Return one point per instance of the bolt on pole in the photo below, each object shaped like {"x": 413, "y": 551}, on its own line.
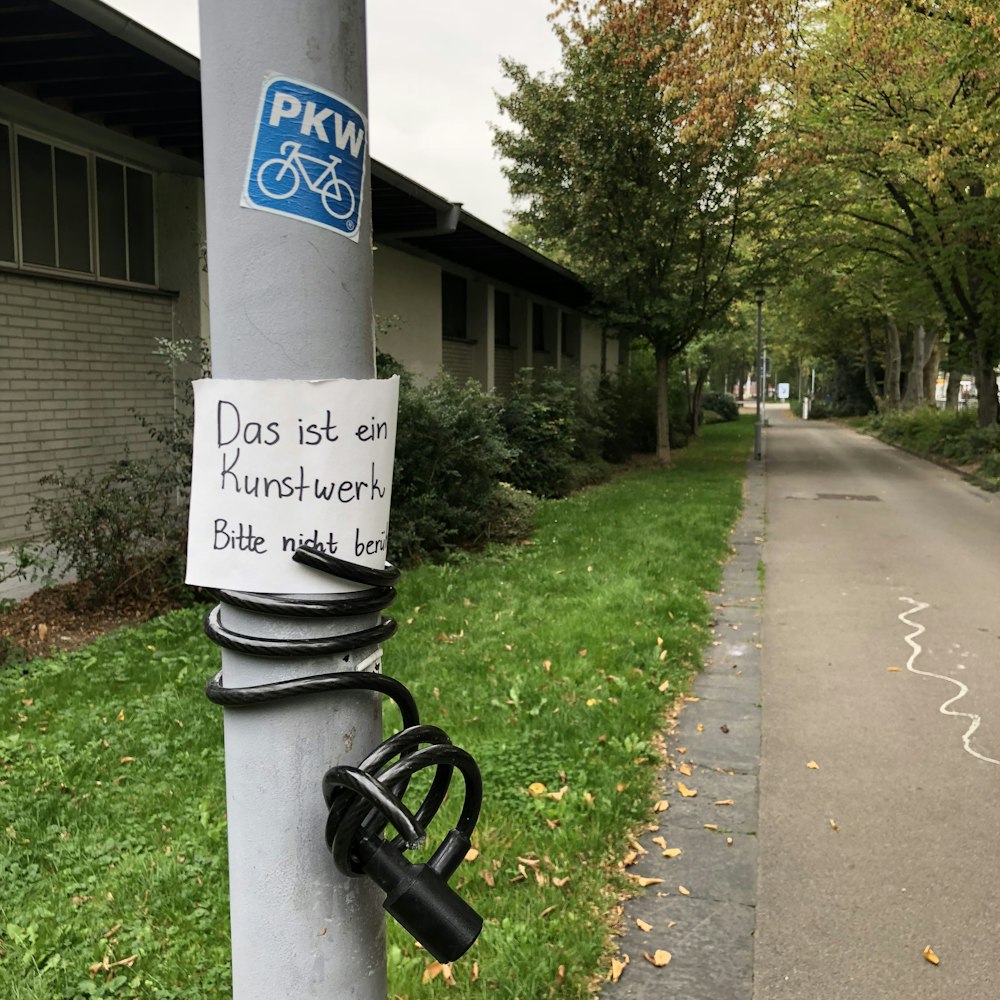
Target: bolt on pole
{"x": 288, "y": 300}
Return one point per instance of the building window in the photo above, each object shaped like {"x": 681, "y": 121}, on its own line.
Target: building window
{"x": 52, "y": 184}
{"x": 454, "y": 307}
{"x": 6, "y": 198}
{"x": 538, "y": 328}
{"x": 75, "y": 211}
{"x": 501, "y": 318}
{"x": 125, "y": 223}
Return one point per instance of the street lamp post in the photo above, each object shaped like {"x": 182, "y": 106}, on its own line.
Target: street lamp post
{"x": 758, "y": 450}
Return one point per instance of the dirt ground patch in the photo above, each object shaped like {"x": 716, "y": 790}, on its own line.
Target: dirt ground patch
{"x": 64, "y": 618}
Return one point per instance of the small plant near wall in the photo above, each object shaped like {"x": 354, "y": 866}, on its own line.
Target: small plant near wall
{"x": 123, "y": 529}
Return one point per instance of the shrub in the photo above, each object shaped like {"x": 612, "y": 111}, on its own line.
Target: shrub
{"x": 720, "y": 403}
{"x": 539, "y": 418}
{"x": 510, "y": 515}
{"x": 450, "y": 456}
{"x": 628, "y": 404}
{"x": 123, "y": 529}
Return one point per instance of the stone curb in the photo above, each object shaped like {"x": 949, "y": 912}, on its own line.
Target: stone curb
{"x": 703, "y": 911}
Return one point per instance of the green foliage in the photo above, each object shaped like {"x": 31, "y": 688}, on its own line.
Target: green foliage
{"x": 953, "y": 436}
{"x": 949, "y": 434}
{"x": 721, "y": 403}
{"x": 539, "y": 418}
{"x": 628, "y": 401}
{"x": 450, "y": 458}
{"x": 122, "y": 529}
{"x": 510, "y": 515}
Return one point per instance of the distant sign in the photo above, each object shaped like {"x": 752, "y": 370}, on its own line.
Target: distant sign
{"x": 783, "y": 390}
{"x": 308, "y": 156}
{"x": 283, "y": 463}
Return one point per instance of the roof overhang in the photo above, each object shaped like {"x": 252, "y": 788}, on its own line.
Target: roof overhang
{"x": 96, "y": 72}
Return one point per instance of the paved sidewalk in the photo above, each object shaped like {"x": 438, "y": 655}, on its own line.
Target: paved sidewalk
{"x": 703, "y": 912}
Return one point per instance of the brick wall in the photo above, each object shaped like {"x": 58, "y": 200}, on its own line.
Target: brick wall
{"x": 73, "y": 359}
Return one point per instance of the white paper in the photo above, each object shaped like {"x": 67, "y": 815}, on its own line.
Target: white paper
{"x": 282, "y": 463}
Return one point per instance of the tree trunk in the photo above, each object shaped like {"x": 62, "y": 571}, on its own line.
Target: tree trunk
{"x": 662, "y": 406}
{"x": 694, "y": 399}
{"x": 871, "y": 383}
{"x": 893, "y": 364}
{"x": 954, "y": 389}
{"x": 986, "y": 385}
{"x": 931, "y": 369}
{"x": 923, "y": 348}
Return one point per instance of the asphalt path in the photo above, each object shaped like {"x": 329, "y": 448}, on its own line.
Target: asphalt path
{"x": 879, "y": 774}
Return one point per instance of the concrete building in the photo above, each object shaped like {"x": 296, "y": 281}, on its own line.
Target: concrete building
{"x": 102, "y": 253}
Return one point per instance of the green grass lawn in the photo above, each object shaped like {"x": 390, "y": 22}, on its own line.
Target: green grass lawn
{"x": 554, "y": 662}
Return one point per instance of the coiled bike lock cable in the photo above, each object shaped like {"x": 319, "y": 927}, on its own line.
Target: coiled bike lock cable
{"x": 363, "y": 800}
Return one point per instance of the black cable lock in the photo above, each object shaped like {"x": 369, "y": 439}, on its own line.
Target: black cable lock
{"x": 363, "y": 800}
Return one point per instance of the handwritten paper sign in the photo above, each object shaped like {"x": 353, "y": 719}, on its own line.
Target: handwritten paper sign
{"x": 278, "y": 464}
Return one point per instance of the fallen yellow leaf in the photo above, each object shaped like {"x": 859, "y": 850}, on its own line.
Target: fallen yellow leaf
{"x": 471, "y": 854}
{"x": 893, "y": 670}
{"x": 684, "y": 890}
{"x": 711, "y": 826}
{"x": 688, "y": 793}
{"x": 700, "y": 728}
{"x": 724, "y": 802}
{"x": 672, "y": 852}
{"x": 931, "y": 956}
{"x": 618, "y": 967}
{"x": 685, "y": 769}
{"x": 536, "y": 788}
{"x": 644, "y": 882}
{"x": 643, "y": 926}
{"x": 812, "y": 765}
{"x": 660, "y": 842}
{"x": 833, "y": 825}
{"x": 664, "y": 686}
{"x": 659, "y": 958}
{"x": 662, "y": 806}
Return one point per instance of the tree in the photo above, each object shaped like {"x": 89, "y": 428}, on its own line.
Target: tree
{"x": 650, "y": 219}
{"x": 897, "y": 103}
{"x": 888, "y": 105}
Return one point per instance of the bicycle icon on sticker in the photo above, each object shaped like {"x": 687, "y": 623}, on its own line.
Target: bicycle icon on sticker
{"x": 308, "y": 157}
{"x": 279, "y": 178}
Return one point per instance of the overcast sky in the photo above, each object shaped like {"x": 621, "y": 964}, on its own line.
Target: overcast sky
{"x": 433, "y": 70}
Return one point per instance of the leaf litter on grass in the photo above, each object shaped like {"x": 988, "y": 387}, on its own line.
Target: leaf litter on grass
{"x": 512, "y": 687}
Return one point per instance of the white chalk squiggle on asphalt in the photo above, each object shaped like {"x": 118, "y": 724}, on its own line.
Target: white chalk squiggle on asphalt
{"x": 963, "y": 690}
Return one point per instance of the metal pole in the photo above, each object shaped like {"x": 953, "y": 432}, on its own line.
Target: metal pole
{"x": 758, "y": 444}
{"x": 288, "y": 300}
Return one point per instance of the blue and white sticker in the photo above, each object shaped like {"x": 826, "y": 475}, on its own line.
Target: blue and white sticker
{"x": 308, "y": 156}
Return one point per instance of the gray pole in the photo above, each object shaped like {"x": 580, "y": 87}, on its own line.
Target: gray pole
{"x": 758, "y": 443}
{"x": 288, "y": 300}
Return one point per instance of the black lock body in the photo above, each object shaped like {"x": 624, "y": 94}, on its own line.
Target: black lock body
{"x": 422, "y": 902}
